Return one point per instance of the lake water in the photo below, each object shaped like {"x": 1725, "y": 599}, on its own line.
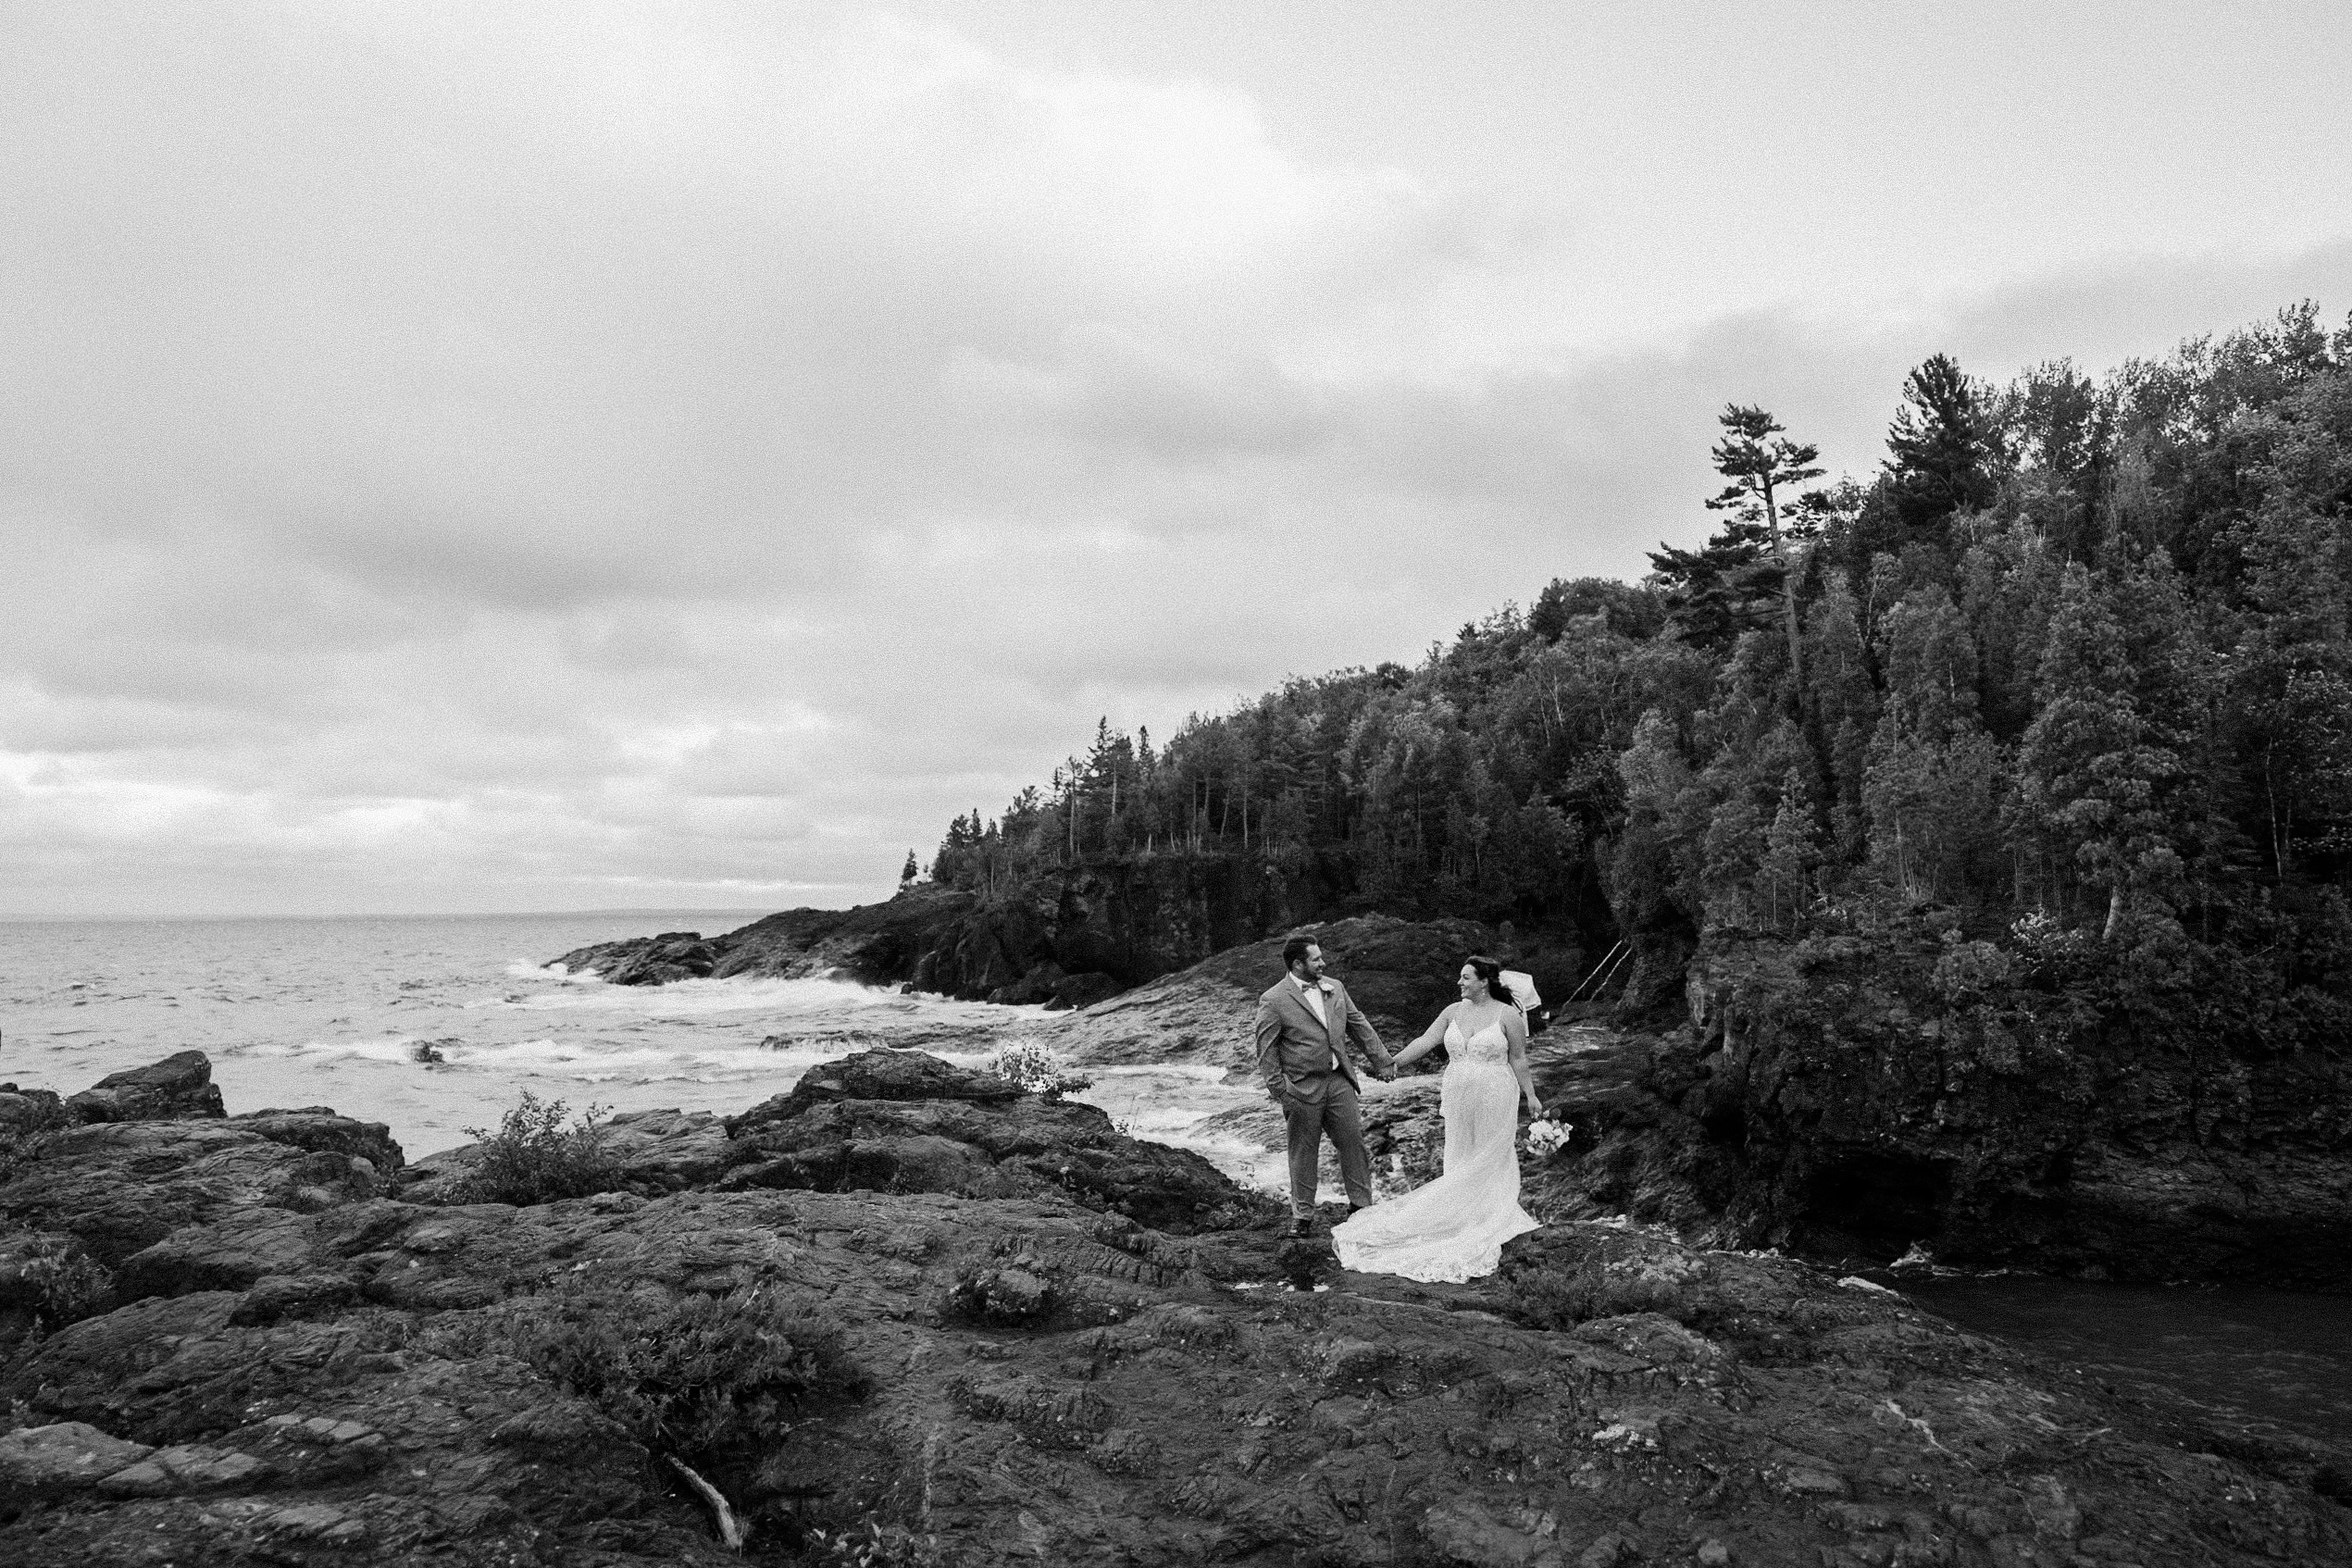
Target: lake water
{"x": 333, "y": 1012}
{"x": 2255, "y": 1355}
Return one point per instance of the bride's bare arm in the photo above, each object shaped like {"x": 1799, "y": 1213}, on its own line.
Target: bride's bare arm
{"x": 1515, "y": 1031}
{"x": 1427, "y": 1040}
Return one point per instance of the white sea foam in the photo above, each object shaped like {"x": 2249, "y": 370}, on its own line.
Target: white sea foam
{"x": 524, "y": 969}
{"x": 333, "y": 1012}
{"x": 785, "y": 998}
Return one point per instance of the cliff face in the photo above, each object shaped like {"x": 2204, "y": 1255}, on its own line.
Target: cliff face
{"x": 908, "y": 1314}
{"x": 1858, "y": 1098}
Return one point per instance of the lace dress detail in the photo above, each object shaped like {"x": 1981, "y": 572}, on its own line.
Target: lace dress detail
{"x": 1453, "y": 1228}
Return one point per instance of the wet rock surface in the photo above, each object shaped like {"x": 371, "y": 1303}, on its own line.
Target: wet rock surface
{"x": 1041, "y": 1376}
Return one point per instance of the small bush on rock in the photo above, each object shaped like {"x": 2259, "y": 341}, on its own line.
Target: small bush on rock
{"x": 535, "y": 1158}
{"x": 1600, "y": 1286}
{"x": 47, "y": 1281}
{"x": 27, "y": 1118}
{"x": 694, "y": 1375}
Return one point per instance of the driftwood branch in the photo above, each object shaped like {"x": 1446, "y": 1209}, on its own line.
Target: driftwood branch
{"x": 731, "y": 1530}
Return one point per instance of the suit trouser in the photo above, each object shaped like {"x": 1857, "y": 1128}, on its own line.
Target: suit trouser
{"x": 1327, "y": 1107}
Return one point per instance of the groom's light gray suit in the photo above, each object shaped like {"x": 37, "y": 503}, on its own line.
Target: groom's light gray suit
{"x": 1304, "y": 1064}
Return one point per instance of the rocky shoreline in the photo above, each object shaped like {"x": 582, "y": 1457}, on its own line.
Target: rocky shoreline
{"x": 1107, "y": 930}
{"x": 1855, "y": 1101}
{"x": 1007, "y": 1334}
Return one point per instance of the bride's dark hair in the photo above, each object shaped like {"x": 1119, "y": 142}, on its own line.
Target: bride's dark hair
{"x": 1491, "y": 971}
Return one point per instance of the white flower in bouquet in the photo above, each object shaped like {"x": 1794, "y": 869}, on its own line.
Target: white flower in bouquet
{"x": 1037, "y": 1069}
{"x": 1547, "y": 1139}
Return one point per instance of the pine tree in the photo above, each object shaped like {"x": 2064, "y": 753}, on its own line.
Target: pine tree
{"x": 1761, "y": 464}
{"x": 1792, "y": 850}
{"x": 909, "y": 872}
{"x": 1943, "y": 448}
{"x": 2091, "y": 766}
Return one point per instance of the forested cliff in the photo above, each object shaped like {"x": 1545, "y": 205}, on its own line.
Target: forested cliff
{"x": 1980, "y": 832}
{"x": 2072, "y": 667}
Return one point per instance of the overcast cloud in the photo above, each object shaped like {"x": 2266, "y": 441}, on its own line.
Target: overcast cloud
{"x": 483, "y": 458}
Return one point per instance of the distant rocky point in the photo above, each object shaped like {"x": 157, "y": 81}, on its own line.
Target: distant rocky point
{"x": 948, "y": 942}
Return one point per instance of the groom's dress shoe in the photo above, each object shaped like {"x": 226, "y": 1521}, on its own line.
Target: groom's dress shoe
{"x": 1301, "y": 1225}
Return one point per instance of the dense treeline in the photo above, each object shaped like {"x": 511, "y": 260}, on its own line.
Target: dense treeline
{"x": 2075, "y": 662}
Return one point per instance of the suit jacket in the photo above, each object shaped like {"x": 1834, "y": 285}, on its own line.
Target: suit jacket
{"x": 1295, "y": 1049}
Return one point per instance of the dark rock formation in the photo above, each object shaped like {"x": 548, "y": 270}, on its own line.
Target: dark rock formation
{"x": 656, "y": 961}
{"x": 1854, "y": 1099}
{"x": 874, "y": 944}
{"x": 1072, "y": 941}
{"x": 177, "y": 1086}
{"x": 1040, "y": 1377}
{"x": 117, "y": 1187}
{"x": 1083, "y": 990}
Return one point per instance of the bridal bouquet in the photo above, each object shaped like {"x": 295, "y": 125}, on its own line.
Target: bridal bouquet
{"x": 1547, "y": 1139}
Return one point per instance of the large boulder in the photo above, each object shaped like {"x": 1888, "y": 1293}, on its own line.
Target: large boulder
{"x": 321, "y": 1131}
{"x": 179, "y": 1085}
{"x": 647, "y": 960}
{"x": 899, "y": 1121}
{"x": 877, "y": 1074}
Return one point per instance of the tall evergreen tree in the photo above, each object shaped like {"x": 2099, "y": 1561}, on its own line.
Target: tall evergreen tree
{"x": 2092, "y": 766}
{"x": 1763, "y": 465}
{"x": 1943, "y": 448}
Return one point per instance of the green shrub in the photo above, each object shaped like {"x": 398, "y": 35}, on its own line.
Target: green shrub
{"x": 535, "y": 1158}
{"x": 692, "y": 1375}
{"x": 1598, "y": 1283}
{"x": 52, "y": 1278}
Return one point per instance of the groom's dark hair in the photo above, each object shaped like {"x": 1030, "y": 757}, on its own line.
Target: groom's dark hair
{"x": 1295, "y": 951}
{"x": 1491, "y": 971}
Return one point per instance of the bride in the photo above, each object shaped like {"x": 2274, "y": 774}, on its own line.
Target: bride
{"x": 1453, "y": 1228}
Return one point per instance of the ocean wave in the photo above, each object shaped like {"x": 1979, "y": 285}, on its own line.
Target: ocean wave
{"x": 524, "y": 969}
{"x": 743, "y": 993}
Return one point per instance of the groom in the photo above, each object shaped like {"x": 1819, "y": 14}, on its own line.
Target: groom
{"x": 1303, "y": 1021}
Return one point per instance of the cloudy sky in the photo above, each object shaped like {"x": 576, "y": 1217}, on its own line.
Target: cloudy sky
{"x": 492, "y": 457}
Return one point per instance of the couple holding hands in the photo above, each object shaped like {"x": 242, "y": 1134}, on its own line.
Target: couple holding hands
{"x": 1451, "y": 1228}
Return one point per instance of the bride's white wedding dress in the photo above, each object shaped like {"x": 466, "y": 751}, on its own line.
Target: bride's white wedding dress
{"x": 1453, "y": 1228}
